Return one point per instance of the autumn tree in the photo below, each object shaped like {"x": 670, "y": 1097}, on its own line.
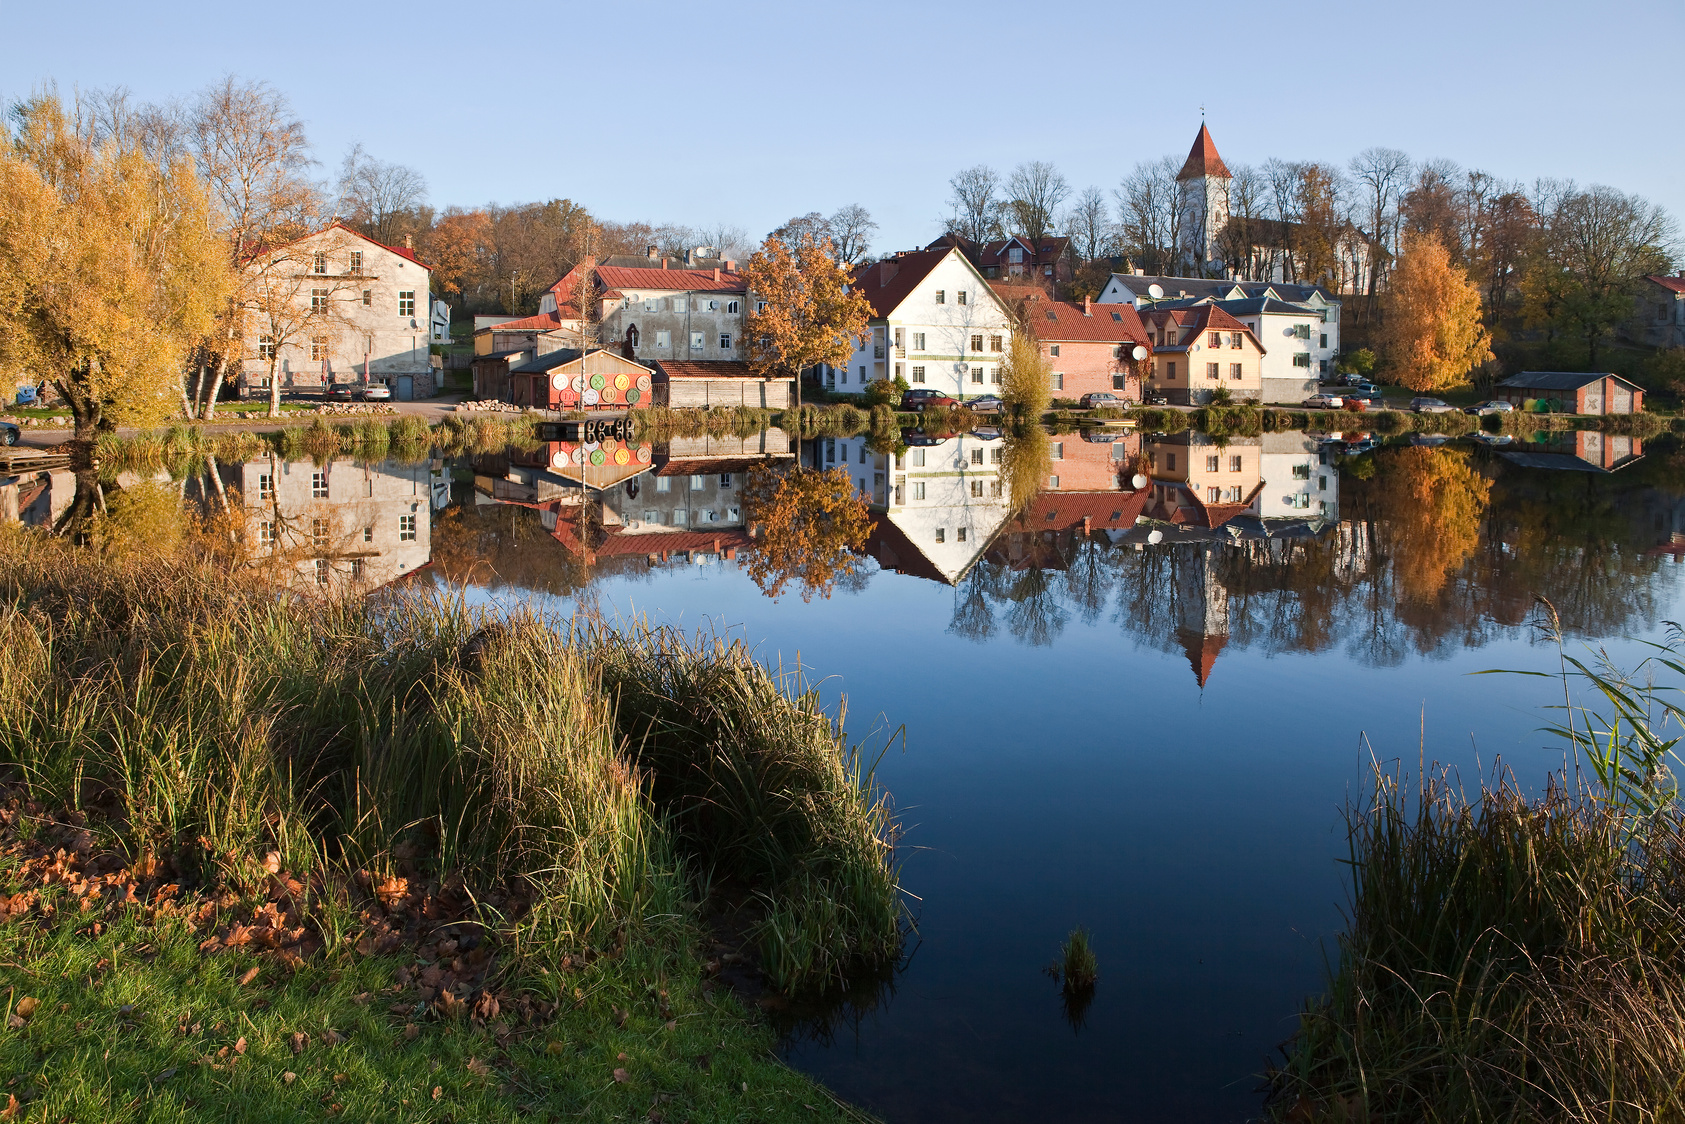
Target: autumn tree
{"x": 1433, "y": 334}
{"x": 808, "y": 525}
{"x": 110, "y": 270}
{"x": 1434, "y": 501}
{"x": 804, "y": 312}
{"x": 1026, "y": 375}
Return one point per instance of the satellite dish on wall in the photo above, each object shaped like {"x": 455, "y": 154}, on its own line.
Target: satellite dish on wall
{"x": 1156, "y": 292}
{"x": 1155, "y": 537}
{"x": 1138, "y": 481}
{"x": 1139, "y": 353}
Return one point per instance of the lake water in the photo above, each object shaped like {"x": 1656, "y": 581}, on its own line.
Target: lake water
{"x": 1137, "y": 705}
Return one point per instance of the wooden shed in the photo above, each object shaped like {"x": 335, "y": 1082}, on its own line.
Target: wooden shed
{"x": 571, "y": 380}
{"x": 1571, "y": 392}
{"x": 719, "y": 382}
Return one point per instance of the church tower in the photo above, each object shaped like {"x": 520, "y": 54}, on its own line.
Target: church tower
{"x": 1204, "y": 181}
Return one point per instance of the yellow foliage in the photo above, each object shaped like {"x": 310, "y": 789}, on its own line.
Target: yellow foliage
{"x": 1435, "y": 502}
{"x": 808, "y": 526}
{"x": 1433, "y": 334}
{"x": 810, "y": 316}
{"x": 1026, "y": 377}
{"x": 111, "y": 270}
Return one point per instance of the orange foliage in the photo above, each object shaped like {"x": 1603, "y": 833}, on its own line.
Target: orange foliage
{"x": 1435, "y": 502}
{"x": 808, "y": 525}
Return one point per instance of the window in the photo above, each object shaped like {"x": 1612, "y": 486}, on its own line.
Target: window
{"x": 1052, "y": 481}
{"x": 830, "y": 449}
{"x": 862, "y": 454}
{"x": 1216, "y": 339}
{"x": 1301, "y": 331}
{"x": 977, "y": 456}
{"x": 1015, "y": 255}
{"x": 406, "y": 528}
{"x": 995, "y": 489}
{"x": 1234, "y": 463}
{"x": 1056, "y": 450}
{"x": 321, "y": 571}
{"x": 977, "y": 489}
{"x": 1323, "y": 341}
{"x": 1302, "y": 359}
{"x": 1301, "y": 472}
{"x": 1120, "y": 451}
{"x": 760, "y": 306}
{"x": 319, "y": 262}
{"x": 663, "y": 483}
{"x": 406, "y": 302}
{"x": 1170, "y": 370}
{"x": 918, "y": 374}
{"x": 697, "y": 481}
{"x": 368, "y": 298}
{"x": 977, "y": 375}
{"x": 733, "y": 307}
{"x": 696, "y": 341}
{"x": 318, "y": 300}
{"x": 976, "y": 341}
{"x": 1211, "y": 370}
{"x": 994, "y": 375}
{"x": 1322, "y": 483}
{"x": 356, "y": 261}
{"x": 996, "y": 456}
{"x": 318, "y": 348}
{"x": 319, "y": 532}
{"x": 1170, "y": 462}
{"x": 725, "y": 341}
{"x": 651, "y": 304}
{"x": 996, "y": 343}
{"x": 1117, "y": 382}
{"x": 652, "y": 516}
{"x": 941, "y": 534}
{"x": 1211, "y": 463}
{"x": 681, "y": 304}
{"x": 941, "y": 297}
{"x": 663, "y": 338}
{"x": 266, "y": 347}
{"x": 318, "y": 485}
{"x": 1234, "y": 370}
{"x": 900, "y": 339}
{"x": 1234, "y": 339}
{"x": 1301, "y": 500}
{"x": 725, "y": 480}
{"x": 1211, "y": 494}
{"x": 959, "y": 533}
{"x": 265, "y": 486}
{"x": 899, "y": 370}
{"x": 357, "y": 569}
{"x": 916, "y": 457}
{"x": 679, "y": 517}
{"x": 266, "y": 533}
{"x": 1231, "y": 495}
{"x": 368, "y": 533}
{"x": 918, "y": 489}
{"x": 1058, "y": 380}
{"x": 961, "y": 296}
{"x": 1053, "y": 351}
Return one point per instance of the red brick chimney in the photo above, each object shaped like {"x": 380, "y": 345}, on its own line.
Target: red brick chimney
{"x": 716, "y": 273}
{"x": 1088, "y": 306}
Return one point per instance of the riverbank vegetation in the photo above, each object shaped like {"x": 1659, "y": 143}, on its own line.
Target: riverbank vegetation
{"x": 267, "y": 856}
{"x": 1512, "y": 956}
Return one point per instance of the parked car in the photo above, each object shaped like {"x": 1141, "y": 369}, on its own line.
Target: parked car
{"x": 1493, "y": 438}
{"x": 1158, "y": 398}
{"x": 1099, "y": 399}
{"x": 987, "y": 432}
{"x": 1481, "y": 409}
{"x": 1431, "y": 406}
{"x": 1324, "y": 402}
{"x": 377, "y": 392}
{"x": 340, "y": 392}
{"x": 9, "y": 433}
{"x": 920, "y": 397}
{"x": 985, "y": 404}
{"x": 1367, "y": 392}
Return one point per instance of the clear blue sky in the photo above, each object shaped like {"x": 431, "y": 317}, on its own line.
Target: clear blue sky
{"x": 750, "y": 112}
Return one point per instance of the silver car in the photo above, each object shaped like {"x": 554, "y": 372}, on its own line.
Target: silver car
{"x": 1431, "y": 406}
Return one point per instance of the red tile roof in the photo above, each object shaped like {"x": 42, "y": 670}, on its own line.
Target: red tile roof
{"x": 1105, "y": 511}
{"x": 659, "y": 542}
{"x": 995, "y": 253}
{"x": 542, "y": 321}
{"x": 1203, "y": 159}
{"x": 1676, "y": 284}
{"x": 1195, "y": 319}
{"x": 259, "y": 250}
{"x": 705, "y": 466}
{"x": 693, "y": 280}
{"x": 1202, "y": 652}
{"x": 705, "y": 369}
{"x": 887, "y": 283}
{"x": 893, "y": 550}
{"x": 1053, "y": 321}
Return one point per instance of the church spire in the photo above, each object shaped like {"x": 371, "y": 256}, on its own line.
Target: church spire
{"x": 1203, "y": 159}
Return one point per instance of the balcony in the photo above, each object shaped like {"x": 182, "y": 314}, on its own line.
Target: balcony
{"x": 877, "y": 351}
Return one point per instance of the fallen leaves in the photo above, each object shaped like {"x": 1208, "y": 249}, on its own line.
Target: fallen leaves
{"x": 298, "y": 1042}
{"x": 248, "y": 976}
{"x": 621, "y": 1076}
{"x": 22, "y": 1012}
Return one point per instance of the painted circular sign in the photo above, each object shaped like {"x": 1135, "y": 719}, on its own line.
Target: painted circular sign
{"x": 590, "y": 398}
{"x": 632, "y": 396}
{"x": 621, "y": 382}
{"x": 622, "y": 456}
{"x": 598, "y": 457}
{"x": 558, "y": 382}
{"x": 610, "y": 394}
{"x": 598, "y": 382}
{"x": 579, "y": 382}
{"x": 569, "y": 397}
{"x": 578, "y": 456}
{"x": 559, "y": 458}
{"x": 643, "y": 382}
{"x": 644, "y": 454}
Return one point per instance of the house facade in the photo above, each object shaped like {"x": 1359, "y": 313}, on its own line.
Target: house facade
{"x": 571, "y": 379}
{"x": 1571, "y": 392}
{"x": 1045, "y": 262}
{"x": 1199, "y": 349}
{"x": 1088, "y": 347}
{"x": 703, "y": 384}
{"x": 935, "y": 323}
{"x": 337, "y": 307}
{"x": 1659, "y": 312}
{"x": 653, "y": 314}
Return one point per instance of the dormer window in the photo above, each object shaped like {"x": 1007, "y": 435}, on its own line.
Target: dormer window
{"x": 1015, "y": 255}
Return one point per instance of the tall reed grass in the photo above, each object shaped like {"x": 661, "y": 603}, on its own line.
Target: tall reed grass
{"x": 565, "y": 781}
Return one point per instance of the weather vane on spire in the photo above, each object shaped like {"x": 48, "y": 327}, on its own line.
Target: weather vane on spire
{"x": 1202, "y": 111}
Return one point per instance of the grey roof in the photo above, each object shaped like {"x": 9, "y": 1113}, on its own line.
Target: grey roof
{"x": 1557, "y": 462}
{"x": 1561, "y": 380}
{"x": 549, "y": 361}
{"x": 1244, "y": 306}
{"x": 1219, "y": 287}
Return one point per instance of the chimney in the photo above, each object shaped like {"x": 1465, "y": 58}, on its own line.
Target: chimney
{"x": 886, "y": 271}
{"x": 408, "y": 243}
{"x": 1088, "y": 306}
{"x": 663, "y": 263}
{"x": 728, "y": 265}
{"x": 716, "y": 273}
{"x": 651, "y": 251}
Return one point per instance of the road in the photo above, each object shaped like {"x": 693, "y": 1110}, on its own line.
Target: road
{"x": 432, "y": 409}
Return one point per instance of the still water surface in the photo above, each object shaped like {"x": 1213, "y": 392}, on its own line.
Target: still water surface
{"x": 1138, "y": 705}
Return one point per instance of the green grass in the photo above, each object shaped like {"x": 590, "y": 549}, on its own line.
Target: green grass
{"x": 579, "y": 797}
{"x": 1079, "y": 968}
